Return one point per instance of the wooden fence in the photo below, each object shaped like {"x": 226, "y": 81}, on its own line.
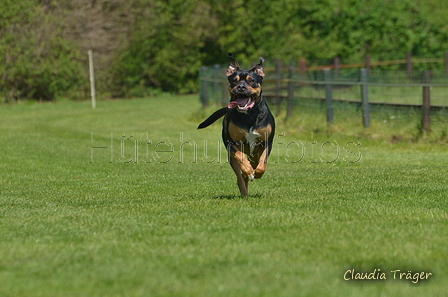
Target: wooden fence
{"x": 328, "y": 84}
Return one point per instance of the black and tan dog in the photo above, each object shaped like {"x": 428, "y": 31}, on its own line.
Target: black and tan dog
{"x": 248, "y": 126}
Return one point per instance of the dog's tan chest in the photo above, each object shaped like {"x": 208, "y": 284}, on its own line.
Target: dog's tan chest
{"x": 251, "y": 137}
{"x": 237, "y": 133}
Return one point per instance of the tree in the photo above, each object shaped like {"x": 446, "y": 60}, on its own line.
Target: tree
{"x": 164, "y": 49}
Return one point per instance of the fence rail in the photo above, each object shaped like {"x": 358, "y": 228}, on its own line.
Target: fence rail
{"x": 426, "y": 90}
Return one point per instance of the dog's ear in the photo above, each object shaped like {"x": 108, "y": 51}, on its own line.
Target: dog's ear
{"x": 233, "y": 65}
{"x": 258, "y": 68}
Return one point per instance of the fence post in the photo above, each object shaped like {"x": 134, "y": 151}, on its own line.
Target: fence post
{"x": 203, "y": 86}
{"x": 426, "y": 106}
{"x": 328, "y": 96}
{"x": 92, "y": 79}
{"x": 290, "y": 89}
{"x": 368, "y": 64}
{"x": 225, "y": 93}
{"x": 278, "y": 84}
{"x": 364, "y": 99}
{"x": 336, "y": 65}
{"x": 446, "y": 63}
{"x": 409, "y": 64}
{"x": 216, "y": 85}
{"x": 302, "y": 68}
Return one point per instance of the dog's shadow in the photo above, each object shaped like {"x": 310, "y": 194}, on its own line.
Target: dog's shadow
{"x": 237, "y": 197}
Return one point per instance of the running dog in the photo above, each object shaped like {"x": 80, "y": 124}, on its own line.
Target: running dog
{"x": 248, "y": 126}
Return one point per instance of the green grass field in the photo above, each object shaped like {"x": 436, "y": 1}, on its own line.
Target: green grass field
{"x": 125, "y": 200}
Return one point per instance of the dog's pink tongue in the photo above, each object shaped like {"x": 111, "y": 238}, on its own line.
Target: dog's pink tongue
{"x": 238, "y": 102}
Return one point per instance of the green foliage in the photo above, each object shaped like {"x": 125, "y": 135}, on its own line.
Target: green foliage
{"x": 38, "y": 62}
{"x": 146, "y": 47}
{"x": 321, "y": 30}
{"x": 315, "y": 30}
{"x": 164, "y": 49}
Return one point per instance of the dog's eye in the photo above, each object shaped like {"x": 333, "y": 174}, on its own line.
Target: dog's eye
{"x": 251, "y": 80}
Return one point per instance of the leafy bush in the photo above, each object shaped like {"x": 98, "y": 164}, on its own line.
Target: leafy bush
{"x": 39, "y": 63}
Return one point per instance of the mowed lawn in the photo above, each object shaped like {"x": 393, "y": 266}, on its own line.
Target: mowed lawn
{"x": 131, "y": 200}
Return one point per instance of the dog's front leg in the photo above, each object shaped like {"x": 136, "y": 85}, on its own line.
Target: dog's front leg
{"x": 244, "y": 164}
{"x": 261, "y": 166}
{"x": 242, "y": 168}
{"x": 242, "y": 180}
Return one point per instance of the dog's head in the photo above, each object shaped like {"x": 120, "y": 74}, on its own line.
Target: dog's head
{"x": 244, "y": 85}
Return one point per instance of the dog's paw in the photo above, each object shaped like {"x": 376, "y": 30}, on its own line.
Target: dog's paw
{"x": 258, "y": 173}
{"x": 250, "y": 175}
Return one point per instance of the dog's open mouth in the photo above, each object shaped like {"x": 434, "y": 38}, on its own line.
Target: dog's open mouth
{"x": 242, "y": 103}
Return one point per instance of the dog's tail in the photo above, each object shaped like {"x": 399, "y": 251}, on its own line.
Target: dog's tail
{"x": 215, "y": 116}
